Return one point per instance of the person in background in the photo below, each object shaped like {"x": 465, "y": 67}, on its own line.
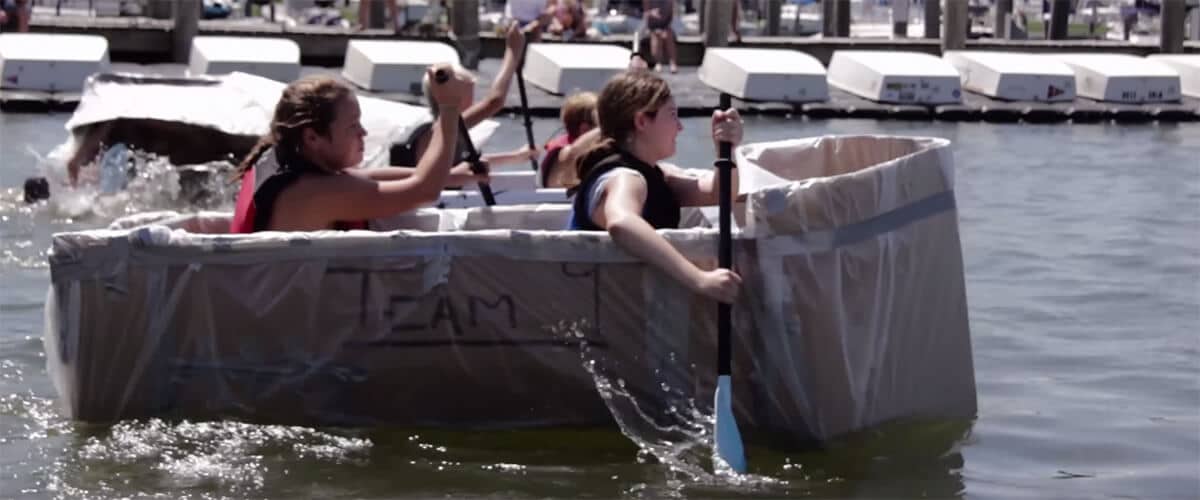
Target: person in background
{"x": 626, "y": 192}
{"x": 408, "y": 151}
{"x": 659, "y": 14}
{"x": 578, "y": 117}
{"x": 14, "y": 15}
{"x": 557, "y": 168}
{"x": 569, "y": 21}
{"x": 364, "y": 13}
{"x": 533, "y": 16}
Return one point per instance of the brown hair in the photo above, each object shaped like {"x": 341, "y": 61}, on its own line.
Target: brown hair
{"x": 577, "y": 111}
{"x": 623, "y": 97}
{"x": 309, "y": 102}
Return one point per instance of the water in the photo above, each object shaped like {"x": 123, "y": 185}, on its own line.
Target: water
{"x": 1082, "y": 247}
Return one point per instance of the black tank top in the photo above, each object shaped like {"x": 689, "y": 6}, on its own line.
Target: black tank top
{"x": 661, "y": 209}
{"x": 404, "y": 154}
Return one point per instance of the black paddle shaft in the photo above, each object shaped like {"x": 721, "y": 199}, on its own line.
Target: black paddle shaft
{"x": 485, "y": 189}
{"x": 725, "y": 246}
{"x": 525, "y": 103}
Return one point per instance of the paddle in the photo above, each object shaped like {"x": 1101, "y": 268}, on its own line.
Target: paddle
{"x": 727, "y": 440}
{"x": 525, "y": 103}
{"x": 485, "y": 189}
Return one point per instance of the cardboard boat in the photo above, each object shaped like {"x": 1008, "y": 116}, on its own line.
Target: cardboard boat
{"x": 853, "y": 311}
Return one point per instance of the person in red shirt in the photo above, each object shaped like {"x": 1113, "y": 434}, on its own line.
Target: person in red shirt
{"x": 578, "y": 116}
{"x": 302, "y": 175}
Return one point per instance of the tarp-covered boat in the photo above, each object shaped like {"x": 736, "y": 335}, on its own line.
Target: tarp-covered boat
{"x": 853, "y": 312}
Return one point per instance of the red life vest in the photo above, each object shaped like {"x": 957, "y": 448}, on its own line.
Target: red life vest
{"x": 256, "y": 198}
{"x": 552, "y": 148}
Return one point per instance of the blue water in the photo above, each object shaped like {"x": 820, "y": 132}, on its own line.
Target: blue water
{"x": 1082, "y": 248}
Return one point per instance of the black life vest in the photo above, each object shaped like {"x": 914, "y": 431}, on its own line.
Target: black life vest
{"x": 661, "y": 209}
{"x": 404, "y": 153}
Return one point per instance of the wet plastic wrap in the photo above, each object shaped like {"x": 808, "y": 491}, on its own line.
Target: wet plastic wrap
{"x": 853, "y": 312}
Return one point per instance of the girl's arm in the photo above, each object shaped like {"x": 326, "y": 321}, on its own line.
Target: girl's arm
{"x": 459, "y": 175}
{"x": 523, "y": 154}
{"x": 695, "y": 191}
{"x": 356, "y": 197}
{"x": 494, "y": 101}
{"x": 619, "y": 211}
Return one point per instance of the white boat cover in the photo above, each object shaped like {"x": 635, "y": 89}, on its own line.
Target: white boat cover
{"x": 237, "y": 104}
{"x": 853, "y": 311}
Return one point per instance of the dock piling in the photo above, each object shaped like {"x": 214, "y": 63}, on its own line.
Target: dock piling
{"x": 464, "y": 25}
{"x": 954, "y": 33}
{"x": 842, "y": 15}
{"x": 933, "y": 19}
{"x": 1173, "y": 20}
{"x": 717, "y": 17}
{"x": 1060, "y": 10}
{"x": 900, "y": 18}
{"x": 1003, "y": 19}
{"x": 774, "y": 10}
{"x": 828, "y": 19}
{"x": 187, "y": 25}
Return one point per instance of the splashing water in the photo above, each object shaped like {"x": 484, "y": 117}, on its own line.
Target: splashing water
{"x": 679, "y": 436}
{"x": 149, "y": 183}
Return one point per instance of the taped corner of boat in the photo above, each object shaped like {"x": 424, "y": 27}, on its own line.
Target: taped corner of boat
{"x": 167, "y": 315}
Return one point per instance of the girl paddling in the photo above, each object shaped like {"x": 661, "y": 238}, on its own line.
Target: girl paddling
{"x": 624, "y": 191}
{"x": 301, "y": 176}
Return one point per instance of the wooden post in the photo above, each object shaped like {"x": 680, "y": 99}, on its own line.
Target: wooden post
{"x": 954, "y": 33}
{"x": 933, "y": 19}
{"x": 377, "y": 14}
{"x": 843, "y": 18}
{"x": 900, "y": 18}
{"x": 187, "y": 24}
{"x": 1060, "y": 10}
{"x": 1173, "y": 12}
{"x": 774, "y": 10}
{"x": 717, "y": 17}
{"x": 1003, "y": 19}
{"x": 464, "y": 24}
{"x": 828, "y": 19}
{"x": 1195, "y": 30}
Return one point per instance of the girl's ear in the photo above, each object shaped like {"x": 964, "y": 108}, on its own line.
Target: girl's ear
{"x": 640, "y": 120}
{"x": 309, "y": 136}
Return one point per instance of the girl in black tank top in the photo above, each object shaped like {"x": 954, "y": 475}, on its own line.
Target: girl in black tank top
{"x": 624, "y": 190}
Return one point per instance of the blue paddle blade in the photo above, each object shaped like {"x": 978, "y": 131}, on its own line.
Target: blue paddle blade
{"x": 726, "y": 437}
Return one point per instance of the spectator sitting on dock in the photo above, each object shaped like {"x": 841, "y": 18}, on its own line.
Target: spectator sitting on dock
{"x": 569, "y": 21}
{"x": 14, "y": 15}
{"x": 364, "y": 13}
{"x": 659, "y": 15}
{"x": 532, "y": 15}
